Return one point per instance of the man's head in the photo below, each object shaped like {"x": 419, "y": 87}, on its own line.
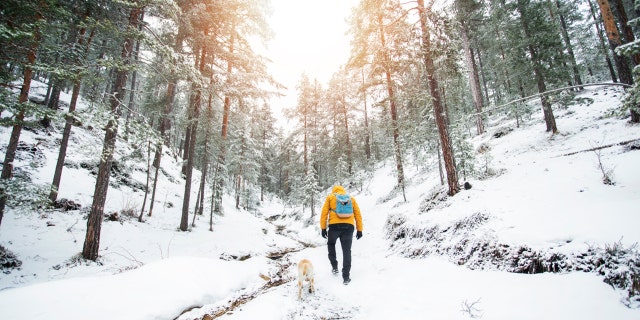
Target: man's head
{"x": 338, "y": 189}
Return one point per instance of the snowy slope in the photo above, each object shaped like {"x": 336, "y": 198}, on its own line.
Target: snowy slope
{"x": 151, "y": 271}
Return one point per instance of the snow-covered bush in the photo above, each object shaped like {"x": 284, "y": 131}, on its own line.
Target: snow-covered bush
{"x": 8, "y": 260}
{"x": 466, "y": 242}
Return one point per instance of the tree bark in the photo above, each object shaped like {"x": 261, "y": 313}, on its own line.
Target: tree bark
{"x": 219, "y": 184}
{"x": 146, "y": 187}
{"x": 549, "y": 118}
{"x": 438, "y": 108}
{"x": 627, "y": 31}
{"x": 205, "y": 168}
{"x": 602, "y": 45}
{"x": 624, "y": 72}
{"x": 628, "y": 37}
{"x": 92, "y": 240}
{"x": 367, "y": 144}
{"x": 190, "y": 151}
{"x": 484, "y": 78}
{"x": 348, "y": 140}
{"x": 186, "y": 147}
{"x": 474, "y": 79}
{"x": 62, "y": 154}
{"x": 195, "y": 211}
{"x": 305, "y": 140}
{"x": 240, "y": 175}
{"x": 567, "y": 42}
{"x": 132, "y": 94}
{"x": 392, "y": 107}
{"x": 23, "y": 99}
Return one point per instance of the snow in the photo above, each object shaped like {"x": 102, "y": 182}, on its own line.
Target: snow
{"x": 150, "y": 270}
{"x": 152, "y": 291}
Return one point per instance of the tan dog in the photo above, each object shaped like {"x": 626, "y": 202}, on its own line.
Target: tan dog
{"x": 305, "y": 272}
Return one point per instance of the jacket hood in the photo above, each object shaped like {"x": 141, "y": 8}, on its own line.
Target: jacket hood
{"x": 338, "y": 189}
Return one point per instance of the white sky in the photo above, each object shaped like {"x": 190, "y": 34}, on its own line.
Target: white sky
{"x": 310, "y": 37}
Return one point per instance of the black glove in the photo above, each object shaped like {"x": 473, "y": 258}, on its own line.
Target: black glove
{"x": 358, "y": 235}
{"x": 324, "y": 233}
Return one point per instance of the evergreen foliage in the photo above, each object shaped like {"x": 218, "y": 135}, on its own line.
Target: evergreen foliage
{"x": 194, "y": 63}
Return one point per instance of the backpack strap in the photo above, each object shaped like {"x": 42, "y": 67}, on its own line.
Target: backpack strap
{"x": 335, "y": 195}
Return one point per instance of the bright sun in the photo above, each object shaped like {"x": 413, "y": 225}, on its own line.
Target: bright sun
{"x": 310, "y": 37}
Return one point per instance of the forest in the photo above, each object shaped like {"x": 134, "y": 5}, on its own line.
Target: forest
{"x": 185, "y": 76}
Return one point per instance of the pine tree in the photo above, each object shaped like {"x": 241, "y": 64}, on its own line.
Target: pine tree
{"x": 438, "y": 108}
{"x": 467, "y": 15}
{"x": 92, "y": 240}
{"x": 310, "y": 190}
{"x": 378, "y": 29}
{"x": 615, "y": 40}
{"x": 536, "y": 42}
{"x": 631, "y": 99}
{"x": 23, "y": 21}
{"x": 79, "y": 60}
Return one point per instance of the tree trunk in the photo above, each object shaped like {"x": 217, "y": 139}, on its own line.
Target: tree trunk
{"x": 484, "y": 78}
{"x": 624, "y": 72}
{"x": 567, "y": 42}
{"x": 146, "y": 187}
{"x": 134, "y": 80}
{"x": 474, "y": 80}
{"x": 438, "y": 108}
{"x": 367, "y": 144}
{"x": 237, "y": 187}
{"x": 602, "y": 45}
{"x": 628, "y": 37}
{"x": 164, "y": 127}
{"x": 186, "y": 147}
{"x": 627, "y": 31}
{"x": 190, "y": 151}
{"x": 62, "y": 154}
{"x": 155, "y": 178}
{"x": 213, "y": 200}
{"x": 92, "y": 240}
{"x": 195, "y": 211}
{"x": 441, "y": 173}
{"x": 223, "y": 135}
{"x": 239, "y": 177}
{"x": 54, "y": 99}
{"x": 203, "y": 178}
{"x": 23, "y": 98}
{"x": 549, "y": 118}
{"x": 393, "y": 111}
{"x": 49, "y": 88}
{"x": 305, "y": 149}
{"x": 348, "y": 139}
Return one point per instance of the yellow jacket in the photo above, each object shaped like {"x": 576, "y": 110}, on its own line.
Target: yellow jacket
{"x": 329, "y": 214}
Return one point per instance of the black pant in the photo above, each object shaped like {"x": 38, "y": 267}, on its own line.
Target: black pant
{"x": 344, "y": 232}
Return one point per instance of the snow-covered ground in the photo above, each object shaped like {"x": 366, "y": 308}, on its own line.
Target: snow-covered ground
{"x": 542, "y": 200}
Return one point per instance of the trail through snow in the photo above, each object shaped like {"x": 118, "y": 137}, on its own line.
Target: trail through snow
{"x": 386, "y": 286}
{"x": 150, "y": 271}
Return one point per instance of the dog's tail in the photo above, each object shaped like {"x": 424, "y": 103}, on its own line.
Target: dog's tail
{"x": 306, "y": 266}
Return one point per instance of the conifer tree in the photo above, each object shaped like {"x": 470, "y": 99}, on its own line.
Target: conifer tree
{"x": 378, "y": 29}
{"x": 92, "y": 240}
{"x": 22, "y": 21}
{"x": 438, "y": 107}
{"x": 467, "y": 15}
{"x": 536, "y": 42}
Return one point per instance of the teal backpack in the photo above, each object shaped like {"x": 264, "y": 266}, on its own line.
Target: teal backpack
{"x": 344, "y": 206}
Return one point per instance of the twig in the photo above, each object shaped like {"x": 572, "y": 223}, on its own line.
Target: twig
{"x": 471, "y": 309}
{"x": 544, "y": 93}
{"x": 599, "y": 147}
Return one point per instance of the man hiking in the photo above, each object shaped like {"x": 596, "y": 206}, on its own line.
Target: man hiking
{"x": 342, "y": 214}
